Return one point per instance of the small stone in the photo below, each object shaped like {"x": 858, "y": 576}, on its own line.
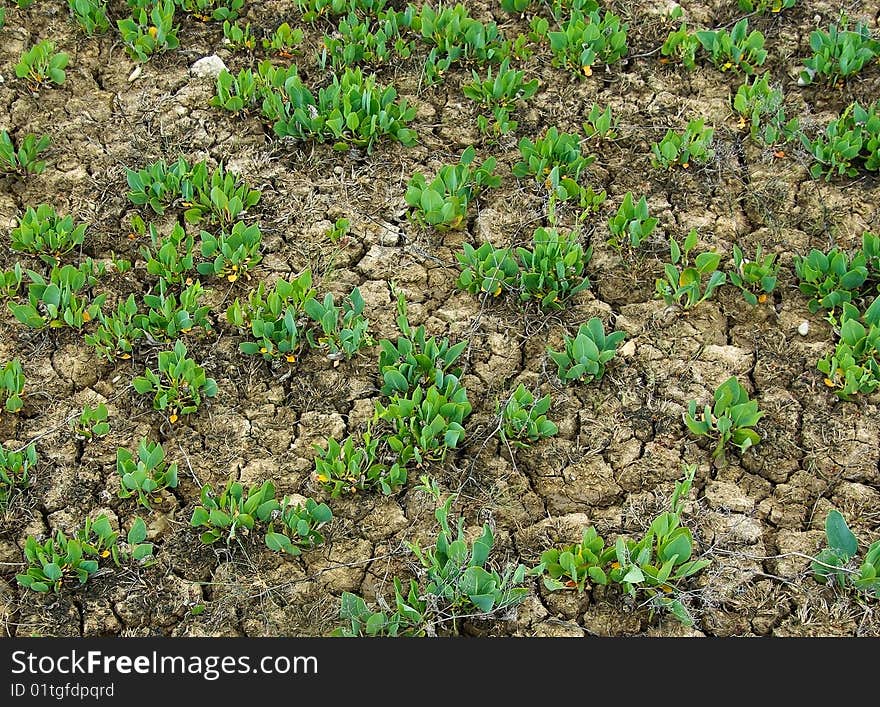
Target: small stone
{"x": 804, "y": 328}
{"x": 628, "y": 349}
{"x": 136, "y": 72}
{"x": 208, "y": 67}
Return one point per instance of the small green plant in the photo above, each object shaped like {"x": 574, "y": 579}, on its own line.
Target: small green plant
{"x": 487, "y": 269}
{"x": 760, "y": 107}
{"x": 415, "y": 359}
{"x": 456, "y": 577}
{"x": 91, "y": 15}
{"x": 499, "y": 93}
{"x": 366, "y": 41}
{"x": 632, "y": 224}
{"x": 849, "y": 141}
{"x": 600, "y": 124}
{"x": 283, "y": 41}
{"x": 854, "y": 367}
{"x": 691, "y": 146}
{"x": 340, "y": 230}
{"x": 116, "y": 333}
{"x": 237, "y": 93}
{"x": 10, "y": 281}
{"x": 830, "y": 279}
{"x": 681, "y": 45}
{"x": 443, "y": 202}
{"x": 524, "y": 418}
{"x": 168, "y": 315}
{"x": 683, "y": 282}
{"x": 585, "y": 40}
{"x": 56, "y": 301}
{"x": 839, "y": 52}
{"x": 59, "y": 560}
{"x": 220, "y": 197}
{"x": 298, "y": 526}
{"x": 553, "y": 156}
{"x": 756, "y": 278}
{"x": 12, "y": 382}
{"x": 406, "y": 620}
{"x": 159, "y": 184}
{"x": 234, "y": 512}
{"x": 148, "y": 33}
{"x": 652, "y": 565}
{"x": 426, "y": 423}
{"x": 22, "y": 160}
{"x": 91, "y": 424}
{"x": 171, "y": 257}
{"x": 344, "y": 330}
{"x": 43, "y": 232}
{"x": 352, "y": 111}
{"x": 832, "y": 565}
{"x": 178, "y": 385}
{"x": 271, "y": 316}
{"x": 42, "y": 64}
{"x": 729, "y": 420}
{"x": 219, "y": 10}
{"x": 738, "y": 48}
{"x": 585, "y": 356}
{"x": 238, "y": 37}
{"x": 15, "y": 470}
{"x": 232, "y": 254}
{"x": 553, "y": 270}
{"x": 759, "y": 7}
{"x": 146, "y": 475}
{"x": 357, "y": 465}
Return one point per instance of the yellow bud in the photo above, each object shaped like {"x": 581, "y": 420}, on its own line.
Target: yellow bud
{"x": 152, "y": 31}
{"x": 173, "y": 418}
{"x": 87, "y": 317}
{"x": 323, "y": 479}
{"x": 263, "y": 349}
{"x": 290, "y": 358}
{"x": 762, "y": 298}
{"x": 829, "y": 382}
{"x": 105, "y": 554}
{"x": 588, "y": 70}
{"x": 685, "y": 165}
{"x": 232, "y": 278}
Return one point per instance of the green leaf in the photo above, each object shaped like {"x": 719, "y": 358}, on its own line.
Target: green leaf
{"x": 840, "y": 537}
{"x": 138, "y": 532}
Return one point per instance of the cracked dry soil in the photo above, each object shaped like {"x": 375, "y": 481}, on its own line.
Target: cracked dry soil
{"x": 621, "y": 442}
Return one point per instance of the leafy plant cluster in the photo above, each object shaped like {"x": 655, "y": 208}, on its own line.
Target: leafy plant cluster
{"x": 498, "y": 94}
{"x": 587, "y": 40}
{"x": 839, "y": 52}
{"x": 45, "y": 233}
{"x": 653, "y": 566}
{"x": 443, "y": 202}
{"x": 289, "y": 525}
{"x": 694, "y": 145}
{"x": 834, "y": 564}
{"x": 60, "y": 561}
{"x": 22, "y": 158}
{"x": 62, "y": 298}
{"x": 761, "y": 110}
{"x": 368, "y": 41}
{"x": 735, "y": 49}
{"x": 847, "y": 143}
{"x": 687, "y": 281}
{"x": 12, "y": 382}
{"x": 550, "y": 272}
{"x": 455, "y": 581}
{"x": 15, "y": 471}
{"x": 728, "y": 421}
{"x": 41, "y": 65}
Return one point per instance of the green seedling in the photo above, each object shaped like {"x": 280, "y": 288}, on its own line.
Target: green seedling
{"x": 729, "y": 420}
{"x": 271, "y": 316}
{"x": 681, "y": 45}
{"x": 147, "y": 33}
{"x": 219, "y": 10}
{"x": 171, "y": 257}
{"x": 238, "y": 37}
{"x": 168, "y": 316}
{"x": 298, "y": 526}
{"x": 738, "y": 48}
{"x": 756, "y": 278}
{"x": 632, "y": 224}
{"x": 854, "y": 367}
{"x": 372, "y": 42}
{"x": 234, "y": 512}
{"x": 832, "y": 565}
{"x": 503, "y": 89}
{"x": 839, "y": 53}
{"x": 146, "y": 475}
{"x": 232, "y": 255}
{"x": 12, "y": 382}
{"x": 344, "y": 330}
{"x": 850, "y": 141}
{"x": 15, "y": 471}
{"x": 179, "y": 384}
{"x": 487, "y": 269}
{"x": 691, "y": 146}
{"x": 830, "y": 279}
{"x": 600, "y": 124}
{"x": 220, "y": 197}
{"x": 23, "y": 159}
{"x": 585, "y": 356}
{"x": 284, "y": 41}
{"x": 407, "y": 619}
{"x": 524, "y": 418}
{"x": 41, "y": 64}
{"x": 91, "y": 15}
{"x": 237, "y": 93}
{"x": 116, "y": 333}
{"x": 91, "y": 424}
{"x": 554, "y": 156}
{"x": 357, "y": 465}
{"x": 587, "y": 40}
{"x": 10, "y": 281}
{"x": 56, "y": 301}
{"x": 760, "y": 108}
{"x": 43, "y": 232}
{"x": 443, "y": 202}
{"x": 159, "y": 184}
{"x": 683, "y": 282}
{"x": 553, "y": 270}
{"x": 759, "y": 7}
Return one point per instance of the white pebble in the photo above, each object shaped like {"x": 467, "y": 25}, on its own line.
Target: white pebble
{"x": 804, "y": 328}
{"x": 208, "y": 67}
